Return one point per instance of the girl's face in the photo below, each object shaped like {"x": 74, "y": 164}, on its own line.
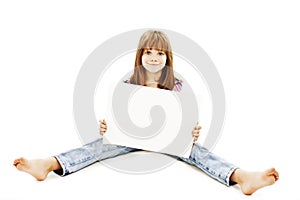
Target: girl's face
{"x": 154, "y": 60}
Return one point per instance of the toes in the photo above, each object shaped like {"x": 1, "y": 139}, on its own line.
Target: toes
{"x": 19, "y": 161}
{"x": 16, "y": 162}
{"x": 270, "y": 171}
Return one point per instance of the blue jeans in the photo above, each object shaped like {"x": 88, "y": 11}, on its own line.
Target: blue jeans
{"x": 79, "y": 158}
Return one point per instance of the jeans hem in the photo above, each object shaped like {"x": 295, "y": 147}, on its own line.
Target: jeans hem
{"x": 230, "y": 172}
{"x": 62, "y": 171}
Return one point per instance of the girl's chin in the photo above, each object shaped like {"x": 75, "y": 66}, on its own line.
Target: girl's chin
{"x": 153, "y": 68}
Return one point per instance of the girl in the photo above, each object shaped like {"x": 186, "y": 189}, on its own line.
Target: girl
{"x": 153, "y": 68}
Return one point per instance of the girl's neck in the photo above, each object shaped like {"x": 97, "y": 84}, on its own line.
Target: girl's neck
{"x": 153, "y": 79}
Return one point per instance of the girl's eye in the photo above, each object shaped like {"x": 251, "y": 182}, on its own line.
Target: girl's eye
{"x": 161, "y": 53}
{"x": 148, "y": 52}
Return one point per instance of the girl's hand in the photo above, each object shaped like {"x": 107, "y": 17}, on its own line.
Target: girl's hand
{"x": 196, "y": 132}
{"x": 103, "y": 126}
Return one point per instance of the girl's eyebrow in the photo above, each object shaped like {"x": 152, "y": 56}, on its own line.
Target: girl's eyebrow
{"x": 157, "y": 49}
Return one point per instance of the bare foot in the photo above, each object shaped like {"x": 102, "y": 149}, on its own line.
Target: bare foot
{"x": 252, "y": 181}
{"x": 38, "y": 168}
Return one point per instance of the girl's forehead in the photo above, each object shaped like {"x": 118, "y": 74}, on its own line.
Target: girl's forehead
{"x": 157, "y": 44}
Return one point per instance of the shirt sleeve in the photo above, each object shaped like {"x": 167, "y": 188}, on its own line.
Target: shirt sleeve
{"x": 178, "y": 85}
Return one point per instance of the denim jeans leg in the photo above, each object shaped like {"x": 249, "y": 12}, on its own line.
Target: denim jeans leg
{"x": 79, "y": 158}
{"x": 211, "y": 164}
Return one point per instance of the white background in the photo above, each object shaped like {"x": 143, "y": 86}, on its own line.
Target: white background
{"x": 254, "y": 45}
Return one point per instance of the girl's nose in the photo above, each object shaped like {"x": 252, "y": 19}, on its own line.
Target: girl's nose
{"x": 153, "y": 59}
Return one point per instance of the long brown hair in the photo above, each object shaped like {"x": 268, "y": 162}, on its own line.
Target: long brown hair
{"x": 154, "y": 39}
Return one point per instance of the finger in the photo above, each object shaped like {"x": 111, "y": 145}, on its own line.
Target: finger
{"x": 195, "y": 139}
{"x": 103, "y": 125}
{"x": 102, "y": 132}
{"x": 102, "y": 121}
{"x": 195, "y": 131}
{"x": 197, "y": 127}
{"x": 196, "y": 135}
